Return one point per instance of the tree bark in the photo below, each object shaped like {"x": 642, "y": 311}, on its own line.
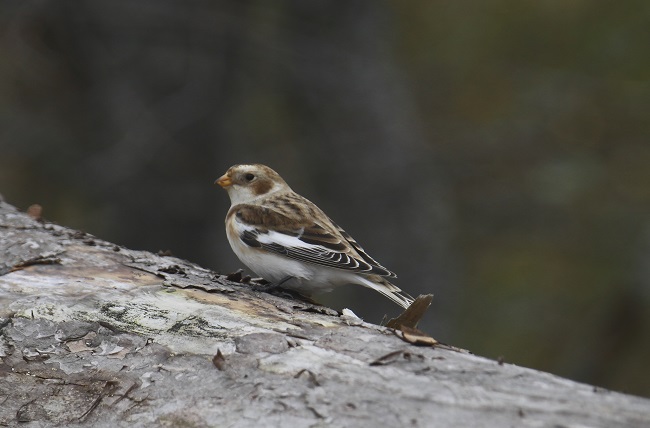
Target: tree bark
{"x": 94, "y": 334}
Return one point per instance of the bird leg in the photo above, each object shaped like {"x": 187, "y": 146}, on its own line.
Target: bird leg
{"x": 273, "y": 286}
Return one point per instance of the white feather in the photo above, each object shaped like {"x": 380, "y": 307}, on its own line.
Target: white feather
{"x": 273, "y": 237}
{"x": 306, "y": 278}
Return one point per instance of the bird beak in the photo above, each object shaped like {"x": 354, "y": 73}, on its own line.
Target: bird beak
{"x": 224, "y": 181}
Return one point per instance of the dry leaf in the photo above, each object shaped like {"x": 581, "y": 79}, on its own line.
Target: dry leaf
{"x": 219, "y": 360}
{"x": 413, "y": 314}
{"x": 417, "y": 337}
{"x": 35, "y": 211}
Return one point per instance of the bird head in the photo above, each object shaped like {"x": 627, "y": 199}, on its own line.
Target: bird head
{"x": 246, "y": 183}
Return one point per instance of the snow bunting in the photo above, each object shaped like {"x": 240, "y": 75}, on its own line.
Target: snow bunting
{"x": 289, "y": 241}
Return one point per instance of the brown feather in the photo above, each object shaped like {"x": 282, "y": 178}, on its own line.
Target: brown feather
{"x": 294, "y": 215}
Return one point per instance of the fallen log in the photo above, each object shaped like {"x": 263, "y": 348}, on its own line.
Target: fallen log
{"x": 94, "y": 334}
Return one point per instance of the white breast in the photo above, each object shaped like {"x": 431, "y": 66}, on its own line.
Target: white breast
{"x": 307, "y": 278}
{"x": 272, "y": 267}
{"x": 318, "y": 273}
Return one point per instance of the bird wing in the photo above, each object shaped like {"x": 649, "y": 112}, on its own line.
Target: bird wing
{"x": 304, "y": 238}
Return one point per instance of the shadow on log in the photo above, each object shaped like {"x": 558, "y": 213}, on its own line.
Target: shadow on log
{"x": 93, "y": 334}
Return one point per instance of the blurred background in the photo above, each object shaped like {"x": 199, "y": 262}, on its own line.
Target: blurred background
{"x": 495, "y": 153}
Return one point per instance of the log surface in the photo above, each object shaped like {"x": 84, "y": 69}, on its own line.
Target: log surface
{"x": 93, "y": 334}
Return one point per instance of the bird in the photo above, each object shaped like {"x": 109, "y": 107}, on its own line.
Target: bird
{"x": 290, "y": 242}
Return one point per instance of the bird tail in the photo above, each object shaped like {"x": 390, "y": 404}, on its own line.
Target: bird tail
{"x": 388, "y": 289}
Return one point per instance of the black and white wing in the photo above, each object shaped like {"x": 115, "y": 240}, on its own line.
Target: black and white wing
{"x": 304, "y": 239}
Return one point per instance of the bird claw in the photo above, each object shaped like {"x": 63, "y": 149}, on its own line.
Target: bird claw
{"x": 272, "y": 286}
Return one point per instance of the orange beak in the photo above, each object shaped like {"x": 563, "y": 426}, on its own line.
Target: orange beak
{"x": 224, "y": 181}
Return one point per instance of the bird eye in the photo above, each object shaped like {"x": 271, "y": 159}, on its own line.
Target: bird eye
{"x": 249, "y": 177}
